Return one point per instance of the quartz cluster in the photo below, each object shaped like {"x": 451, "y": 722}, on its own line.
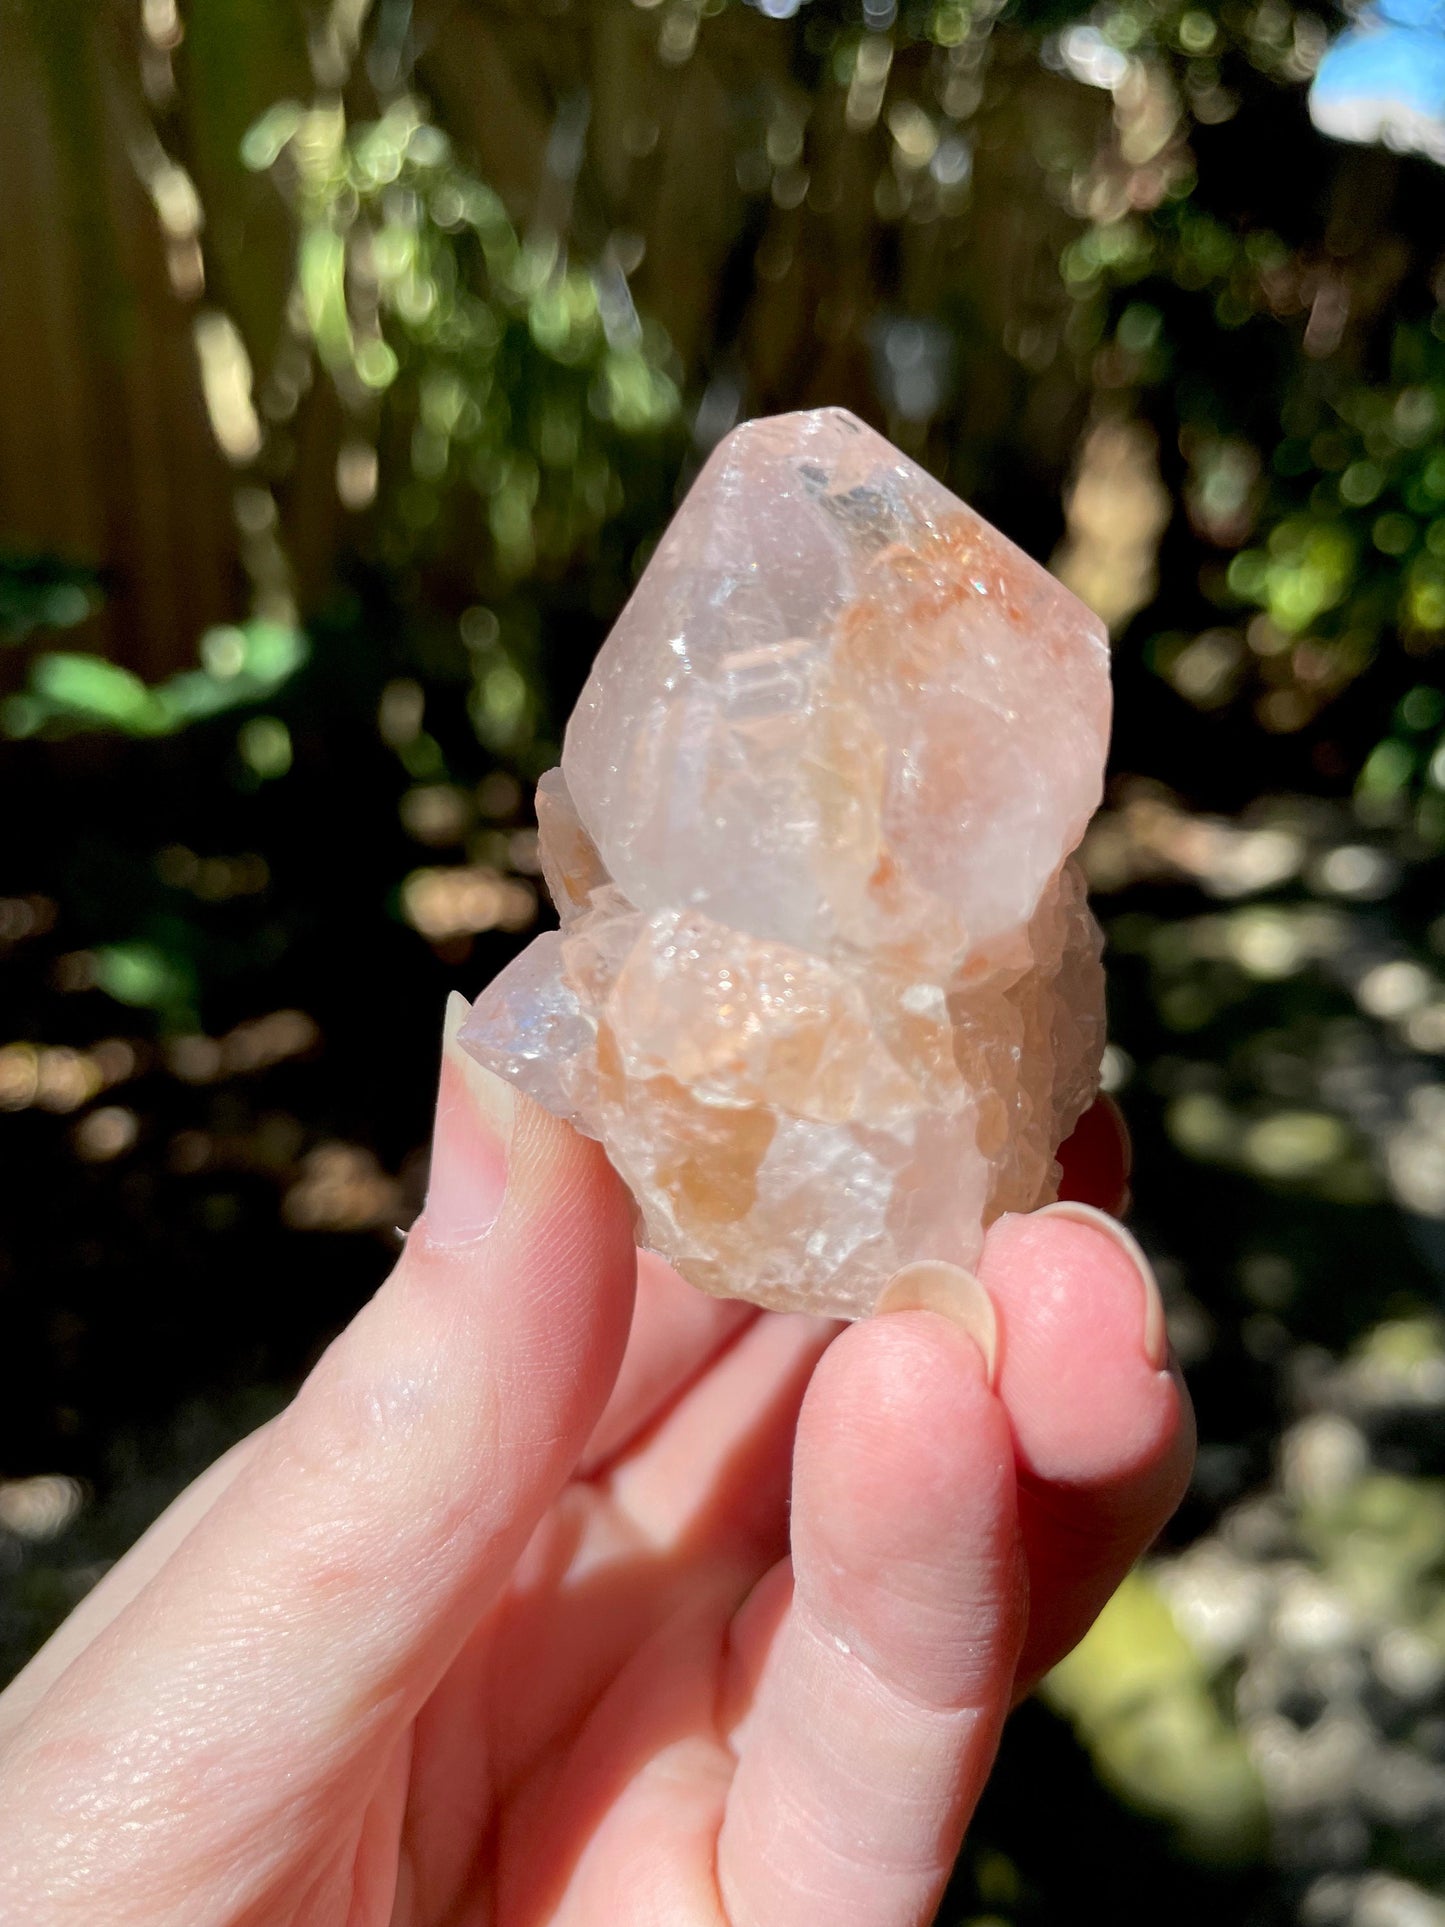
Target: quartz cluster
{"x": 826, "y": 987}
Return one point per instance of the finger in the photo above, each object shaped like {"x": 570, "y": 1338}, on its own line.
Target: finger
{"x": 677, "y": 1331}
{"x": 705, "y": 1496}
{"x": 335, "y": 1579}
{"x": 622, "y": 1827}
{"x": 124, "y": 1581}
{"x": 719, "y": 1463}
{"x": 885, "y": 1688}
{"x": 1102, "y": 1428}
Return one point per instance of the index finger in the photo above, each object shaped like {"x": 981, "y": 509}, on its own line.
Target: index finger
{"x": 355, "y": 1550}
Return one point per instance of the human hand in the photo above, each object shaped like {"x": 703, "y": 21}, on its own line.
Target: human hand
{"x": 496, "y": 1623}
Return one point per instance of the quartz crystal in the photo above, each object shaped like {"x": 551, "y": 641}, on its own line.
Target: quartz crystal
{"x": 826, "y": 986}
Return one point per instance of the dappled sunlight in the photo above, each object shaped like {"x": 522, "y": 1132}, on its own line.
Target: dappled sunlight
{"x": 1288, "y": 1663}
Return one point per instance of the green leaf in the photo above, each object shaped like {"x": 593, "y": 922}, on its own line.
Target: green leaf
{"x": 265, "y": 139}
{"x": 1138, "y": 1696}
{"x": 143, "y": 976}
{"x": 322, "y": 273}
{"x": 90, "y": 689}
{"x": 244, "y": 665}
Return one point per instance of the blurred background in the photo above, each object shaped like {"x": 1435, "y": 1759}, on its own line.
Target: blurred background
{"x": 352, "y": 356}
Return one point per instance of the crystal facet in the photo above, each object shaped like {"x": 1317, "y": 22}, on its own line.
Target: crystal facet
{"x": 826, "y": 986}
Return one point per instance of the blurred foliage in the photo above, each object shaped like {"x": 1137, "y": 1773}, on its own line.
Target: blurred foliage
{"x": 40, "y": 593}
{"x": 1140, "y": 1695}
{"x": 240, "y": 667}
{"x": 470, "y": 290}
{"x": 517, "y": 375}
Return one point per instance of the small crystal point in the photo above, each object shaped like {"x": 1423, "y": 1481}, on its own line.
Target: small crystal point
{"x": 826, "y": 986}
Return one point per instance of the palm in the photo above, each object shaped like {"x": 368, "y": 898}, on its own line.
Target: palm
{"x": 581, "y": 1739}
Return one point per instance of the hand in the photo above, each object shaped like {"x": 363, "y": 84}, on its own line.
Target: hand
{"x": 496, "y": 1622}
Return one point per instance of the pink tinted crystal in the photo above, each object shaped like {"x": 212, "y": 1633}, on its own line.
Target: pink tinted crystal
{"x": 826, "y": 986}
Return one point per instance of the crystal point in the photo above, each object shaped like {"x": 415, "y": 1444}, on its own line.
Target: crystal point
{"x": 826, "y": 986}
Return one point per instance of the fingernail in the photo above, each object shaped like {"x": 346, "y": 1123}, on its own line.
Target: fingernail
{"x": 470, "y": 1142}
{"x": 934, "y": 1285}
{"x": 1156, "y": 1335}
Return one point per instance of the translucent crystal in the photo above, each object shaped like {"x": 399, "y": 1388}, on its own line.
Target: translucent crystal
{"x": 826, "y": 986}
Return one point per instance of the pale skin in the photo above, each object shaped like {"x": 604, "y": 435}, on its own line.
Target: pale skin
{"x": 563, "y": 1594}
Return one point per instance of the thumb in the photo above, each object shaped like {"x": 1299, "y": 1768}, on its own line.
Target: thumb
{"x": 302, "y": 1622}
